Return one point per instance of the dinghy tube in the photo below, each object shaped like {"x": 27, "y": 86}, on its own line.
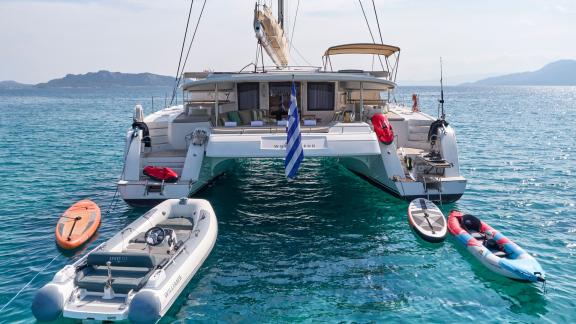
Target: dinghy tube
{"x": 48, "y": 303}
{"x": 144, "y": 308}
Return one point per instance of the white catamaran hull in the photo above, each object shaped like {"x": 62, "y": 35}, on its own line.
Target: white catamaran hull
{"x": 355, "y": 145}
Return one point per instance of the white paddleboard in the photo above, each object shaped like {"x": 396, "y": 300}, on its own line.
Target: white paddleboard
{"x": 427, "y": 220}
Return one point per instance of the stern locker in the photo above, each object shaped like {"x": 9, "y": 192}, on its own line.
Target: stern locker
{"x": 175, "y": 163}
{"x": 161, "y": 143}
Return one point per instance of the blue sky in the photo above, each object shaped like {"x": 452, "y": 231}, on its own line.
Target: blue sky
{"x": 45, "y": 39}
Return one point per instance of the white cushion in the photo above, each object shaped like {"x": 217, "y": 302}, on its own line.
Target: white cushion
{"x": 230, "y": 124}
{"x": 282, "y": 123}
{"x": 309, "y": 122}
{"x": 256, "y": 123}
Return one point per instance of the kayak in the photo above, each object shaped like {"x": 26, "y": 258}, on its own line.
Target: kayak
{"x": 77, "y": 224}
{"x": 496, "y": 252}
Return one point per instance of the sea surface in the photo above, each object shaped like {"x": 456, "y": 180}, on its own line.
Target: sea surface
{"x": 328, "y": 247}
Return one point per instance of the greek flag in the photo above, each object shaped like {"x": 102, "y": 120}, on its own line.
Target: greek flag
{"x": 294, "y": 151}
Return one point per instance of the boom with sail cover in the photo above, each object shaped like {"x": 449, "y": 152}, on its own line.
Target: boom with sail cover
{"x": 270, "y": 35}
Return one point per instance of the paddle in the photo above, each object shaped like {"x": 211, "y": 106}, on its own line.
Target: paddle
{"x": 423, "y": 205}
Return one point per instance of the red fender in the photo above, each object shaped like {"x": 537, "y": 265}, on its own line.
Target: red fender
{"x": 383, "y": 129}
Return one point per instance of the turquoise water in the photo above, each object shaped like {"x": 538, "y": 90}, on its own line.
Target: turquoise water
{"x": 328, "y": 247}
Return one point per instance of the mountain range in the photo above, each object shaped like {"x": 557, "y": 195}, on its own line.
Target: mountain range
{"x": 13, "y": 85}
{"x": 100, "y": 79}
{"x": 559, "y": 73}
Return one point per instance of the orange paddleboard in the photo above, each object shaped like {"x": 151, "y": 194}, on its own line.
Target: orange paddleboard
{"x": 77, "y": 224}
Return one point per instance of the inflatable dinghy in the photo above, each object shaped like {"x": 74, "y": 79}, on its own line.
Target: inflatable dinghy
{"x": 138, "y": 273}
{"x": 427, "y": 220}
{"x": 161, "y": 173}
{"x": 77, "y": 224}
{"x": 493, "y": 249}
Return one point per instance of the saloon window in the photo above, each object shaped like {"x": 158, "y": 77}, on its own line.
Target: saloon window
{"x": 320, "y": 96}
{"x": 248, "y": 95}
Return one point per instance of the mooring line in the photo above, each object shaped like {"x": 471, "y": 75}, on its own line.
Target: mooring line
{"x": 29, "y": 282}
{"x": 111, "y": 207}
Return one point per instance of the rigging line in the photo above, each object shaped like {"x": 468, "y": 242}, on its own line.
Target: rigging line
{"x": 294, "y": 24}
{"x": 191, "y": 42}
{"x": 367, "y": 23}
{"x": 370, "y": 30}
{"x": 380, "y": 32}
{"x": 377, "y": 22}
{"x": 182, "y": 50}
{"x": 301, "y": 56}
{"x": 293, "y": 58}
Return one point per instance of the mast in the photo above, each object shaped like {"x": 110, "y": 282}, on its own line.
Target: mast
{"x": 281, "y": 13}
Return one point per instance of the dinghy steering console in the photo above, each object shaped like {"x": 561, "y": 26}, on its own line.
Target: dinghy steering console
{"x": 157, "y": 235}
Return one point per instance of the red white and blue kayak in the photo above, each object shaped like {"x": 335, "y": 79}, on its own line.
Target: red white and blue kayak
{"x": 494, "y": 250}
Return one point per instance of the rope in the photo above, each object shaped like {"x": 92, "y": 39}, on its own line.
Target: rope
{"x": 370, "y": 30}
{"x": 181, "y": 52}
{"x": 294, "y": 24}
{"x": 29, "y": 282}
{"x": 111, "y": 207}
{"x": 113, "y": 203}
{"x": 367, "y": 23}
{"x": 380, "y": 32}
{"x": 377, "y": 22}
{"x": 190, "y": 46}
{"x": 301, "y": 56}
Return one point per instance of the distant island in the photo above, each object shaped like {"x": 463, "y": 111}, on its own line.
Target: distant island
{"x": 100, "y": 79}
{"x": 13, "y": 85}
{"x": 559, "y": 73}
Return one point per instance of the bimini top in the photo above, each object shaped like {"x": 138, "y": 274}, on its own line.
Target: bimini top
{"x": 362, "y": 48}
{"x": 352, "y": 79}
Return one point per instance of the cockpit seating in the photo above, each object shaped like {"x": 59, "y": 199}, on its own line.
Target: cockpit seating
{"x": 130, "y": 271}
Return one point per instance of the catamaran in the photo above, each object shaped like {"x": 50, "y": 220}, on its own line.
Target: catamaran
{"x": 227, "y": 116}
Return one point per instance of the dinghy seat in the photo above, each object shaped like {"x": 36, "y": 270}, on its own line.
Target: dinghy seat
{"x": 130, "y": 271}
{"x": 473, "y": 226}
{"x": 494, "y": 247}
{"x": 471, "y": 223}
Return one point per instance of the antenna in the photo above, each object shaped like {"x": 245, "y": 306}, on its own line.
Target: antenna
{"x": 441, "y": 101}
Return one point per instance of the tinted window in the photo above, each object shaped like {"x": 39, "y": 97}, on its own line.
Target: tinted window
{"x": 320, "y": 96}
{"x": 248, "y": 96}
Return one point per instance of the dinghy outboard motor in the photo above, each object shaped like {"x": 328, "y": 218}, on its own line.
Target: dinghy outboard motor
{"x": 433, "y": 130}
